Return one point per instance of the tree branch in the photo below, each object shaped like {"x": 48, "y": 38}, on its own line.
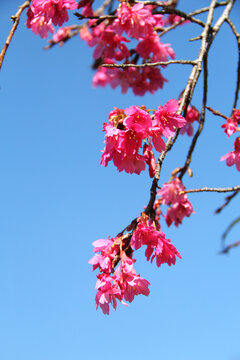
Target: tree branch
{"x": 184, "y": 62}
{"x": 237, "y": 35}
{"x": 15, "y": 19}
{"x": 206, "y": 189}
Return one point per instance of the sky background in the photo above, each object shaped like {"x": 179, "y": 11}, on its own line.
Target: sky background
{"x": 56, "y": 199}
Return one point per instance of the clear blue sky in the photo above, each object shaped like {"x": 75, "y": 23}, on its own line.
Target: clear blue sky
{"x": 56, "y": 199}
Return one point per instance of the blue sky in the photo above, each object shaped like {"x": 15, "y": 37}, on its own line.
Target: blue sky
{"x": 56, "y": 199}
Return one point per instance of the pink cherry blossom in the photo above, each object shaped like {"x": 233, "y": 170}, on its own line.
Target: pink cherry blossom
{"x": 191, "y": 116}
{"x": 150, "y": 159}
{"x": 137, "y": 21}
{"x": 134, "y": 285}
{"x": 122, "y": 147}
{"x": 172, "y": 19}
{"x": 38, "y": 24}
{"x": 140, "y": 80}
{"x": 157, "y": 245}
{"x": 151, "y": 44}
{"x": 108, "y": 43}
{"x": 178, "y": 211}
{"x": 167, "y": 119}
{"x": 61, "y": 35}
{"x": 170, "y": 192}
{"x": 164, "y": 251}
{"x": 236, "y": 115}
{"x": 233, "y": 157}
{"x": 138, "y": 120}
{"x": 108, "y": 292}
{"x": 230, "y": 127}
{"x": 54, "y": 10}
{"x": 87, "y": 10}
{"x": 180, "y": 206}
{"x": 108, "y": 248}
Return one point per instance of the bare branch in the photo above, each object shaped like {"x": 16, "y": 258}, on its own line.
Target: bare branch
{"x": 228, "y": 199}
{"x": 229, "y": 247}
{"x": 206, "y": 189}
{"x": 237, "y": 35}
{"x": 184, "y": 62}
{"x": 15, "y": 19}
{"x": 216, "y": 112}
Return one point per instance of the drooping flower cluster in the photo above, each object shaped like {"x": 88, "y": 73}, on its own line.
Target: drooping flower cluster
{"x": 179, "y": 206}
{"x": 233, "y": 157}
{"x": 43, "y": 14}
{"x": 135, "y": 22}
{"x": 230, "y": 127}
{"x": 149, "y": 234}
{"x": 128, "y": 129}
{"x": 191, "y": 116}
{"x": 117, "y": 279}
{"x": 120, "y": 284}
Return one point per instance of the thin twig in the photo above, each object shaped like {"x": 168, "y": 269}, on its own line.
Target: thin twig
{"x": 237, "y": 35}
{"x": 230, "y": 246}
{"x": 75, "y": 30}
{"x": 184, "y": 62}
{"x": 101, "y": 9}
{"x": 97, "y": 17}
{"x": 196, "y": 12}
{"x": 228, "y": 199}
{"x": 182, "y": 14}
{"x": 216, "y": 112}
{"x": 207, "y": 189}
{"x": 16, "y": 19}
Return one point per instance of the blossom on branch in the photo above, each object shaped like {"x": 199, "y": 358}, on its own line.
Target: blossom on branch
{"x": 230, "y": 127}
{"x": 137, "y": 21}
{"x": 43, "y": 13}
{"x": 119, "y": 284}
{"x": 157, "y": 245}
{"x": 191, "y": 116}
{"x": 167, "y": 119}
{"x": 179, "y": 205}
{"x": 233, "y": 157}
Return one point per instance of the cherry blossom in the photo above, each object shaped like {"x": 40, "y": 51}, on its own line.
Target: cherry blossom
{"x": 43, "y": 13}
{"x": 61, "y": 35}
{"x": 137, "y": 21}
{"x": 151, "y": 44}
{"x": 233, "y": 157}
{"x": 191, "y": 116}
{"x": 108, "y": 292}
{"x": 180, "y": 206}
{"x": 178, "y": 211}
{"x": 167, "y": 119}
{"x": 157, "y": 245}
{"x": 230, "y": 127}
{"x": 38, "y": 24}
{"x": 124, "y": 135}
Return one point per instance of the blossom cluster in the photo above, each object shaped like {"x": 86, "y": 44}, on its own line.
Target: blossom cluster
{"x": 110, "y": 39}
{"x": 172, "y": 194}
{"x": 117, "y": 279}
{"x": 230, "y": 127}
{"x": 128, "y": 129}
{"x": 43, "y": 14}
{"x": 191, "y": 116}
